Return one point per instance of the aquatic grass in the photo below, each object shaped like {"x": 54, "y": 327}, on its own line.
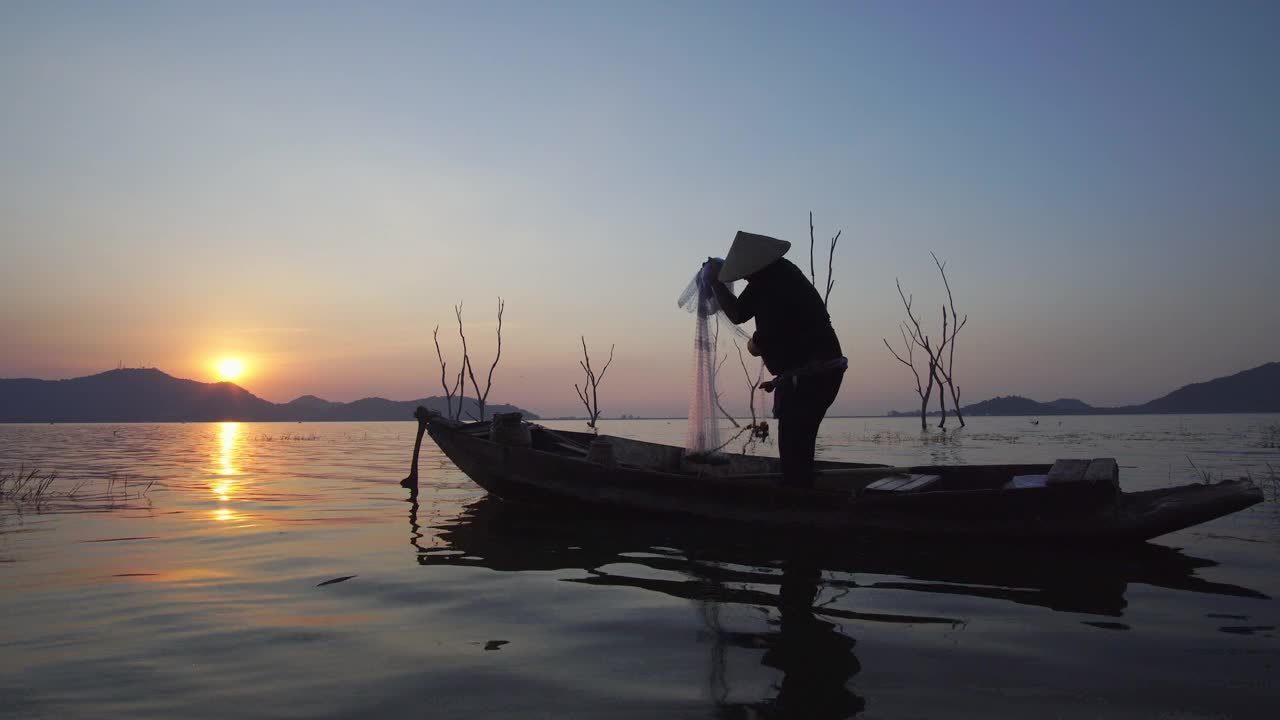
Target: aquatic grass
{"x": 949, "y": 439}
{"x": 1269, "y": 482}
{"x": 1003, "y": 438}
{"x": 121, "y": 483}
{"x": 893, "y": 437}
{"x": 27, "y": 487}
{"x": 880, "y": 437}
{"x": 1205, "y": 476}
{"x": 285, "y": 437}
{"x": 1270, "y": 436}
{"x": 34, "y": 489}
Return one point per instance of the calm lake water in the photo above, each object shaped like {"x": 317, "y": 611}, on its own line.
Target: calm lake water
{"x": 205, "y": 595}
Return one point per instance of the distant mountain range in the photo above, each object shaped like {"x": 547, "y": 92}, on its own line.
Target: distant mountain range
{"x": 149, "y": 395}
{"x": 1251, "y": 391}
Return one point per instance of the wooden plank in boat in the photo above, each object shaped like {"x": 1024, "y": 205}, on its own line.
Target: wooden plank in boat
{"x": 889, "y": 484}
{"x": 920, "y": 482}
{"x": 903, "y": 483}
{"x": 577, "y": 449}
{"x": 1067, "y": 471}
{"x": 1104, "y": 471}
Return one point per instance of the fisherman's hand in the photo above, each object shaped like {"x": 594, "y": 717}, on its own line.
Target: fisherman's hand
{"x": 766, "y": 386}
{"x": 716, "y": 264}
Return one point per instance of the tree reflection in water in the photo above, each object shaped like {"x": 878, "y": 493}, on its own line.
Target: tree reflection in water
{"x": 803, "y": 642}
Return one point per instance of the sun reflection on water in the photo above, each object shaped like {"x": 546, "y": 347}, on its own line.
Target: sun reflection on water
{"x": 224, "y": 487}
{"x": 228, "y": 435}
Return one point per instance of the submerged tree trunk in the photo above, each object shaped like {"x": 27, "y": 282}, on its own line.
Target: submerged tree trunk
{"x": 942, "y": 405}
{"x": 924, "y": 403}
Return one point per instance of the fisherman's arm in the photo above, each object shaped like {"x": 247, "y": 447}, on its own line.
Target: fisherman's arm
{"x": 737, "y": 309}
{"x": 734, "y": 308}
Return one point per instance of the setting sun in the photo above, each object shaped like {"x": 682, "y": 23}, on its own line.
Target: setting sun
{"x": 230, "y": 368}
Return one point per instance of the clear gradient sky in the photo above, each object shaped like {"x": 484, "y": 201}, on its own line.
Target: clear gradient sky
{"x": 311, "y": 186}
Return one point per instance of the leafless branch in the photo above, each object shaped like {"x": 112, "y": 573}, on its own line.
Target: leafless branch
{"x": 917, "y": 334}
{"x": 751, "y": 396}
{"x": 466, "y": 359}
{"x": 467, "y": 370}
{"x": 588, "y": 393}
{"x": 715, "y": 343}
{"x": 813, "y": 276}
{"x": 956, "y": 325}
{"x": 921, "y": 340}
{"x": 751, "y": 386}
{"x": 831, "y": 258}
{"x": 909, "y": 361}
{"x": 448, "y": 394}
{"x": 941, "y": 358}
{"x": 725, "y": 444}
{"x": 732, "y": 420}
{"x": 937, "y": 362}
{"x": 461, "y": 386}
{"x": 482, "y": 399}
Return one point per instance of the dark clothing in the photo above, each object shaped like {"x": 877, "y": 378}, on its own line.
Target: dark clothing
{"x": 792, "y": 324}
{"x": 793, "y": 330}
{"x": 802, "y": 405}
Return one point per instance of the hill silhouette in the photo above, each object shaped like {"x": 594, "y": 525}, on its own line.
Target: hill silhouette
{"x": 149, "y": 395}
{"x": 1251, "y": 391}
{"x": 1018, "y": 405}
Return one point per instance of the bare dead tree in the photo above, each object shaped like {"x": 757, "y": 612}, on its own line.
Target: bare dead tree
{"x": 910, "y": 362}
{"x": 466, "y": 363}
{"x": 588, "y": 393}
{"x": 913, "y": 334}
{"x": 957, "y": 323}
{"x": 448, "y": 394}
{"x": 939, "y": 358}
{"x": 482, "y": 398}
{"x": 831, "y": 257}
{"x": 467, "y": 369}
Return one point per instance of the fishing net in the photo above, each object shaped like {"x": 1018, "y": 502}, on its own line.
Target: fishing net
{"x": 702, "y": 440}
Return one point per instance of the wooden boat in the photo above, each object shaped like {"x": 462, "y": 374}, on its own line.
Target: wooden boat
{"x": 1069, "y": 501}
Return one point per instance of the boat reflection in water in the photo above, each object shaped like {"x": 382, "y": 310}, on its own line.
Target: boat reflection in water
{"x": 803, "y": 642}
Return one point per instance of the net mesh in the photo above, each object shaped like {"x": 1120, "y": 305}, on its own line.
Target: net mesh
{"x": 702, "y": 439}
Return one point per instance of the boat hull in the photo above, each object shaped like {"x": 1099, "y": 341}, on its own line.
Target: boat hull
{"x": 1073, "y": 513}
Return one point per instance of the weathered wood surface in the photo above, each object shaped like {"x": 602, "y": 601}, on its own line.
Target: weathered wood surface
{"x": 1068, "y": 470}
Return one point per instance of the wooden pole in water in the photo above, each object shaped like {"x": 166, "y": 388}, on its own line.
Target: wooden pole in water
{"x": 412, "y": 479}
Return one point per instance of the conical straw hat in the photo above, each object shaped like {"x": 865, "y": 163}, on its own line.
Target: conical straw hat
{"x": 751, "y": 253}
